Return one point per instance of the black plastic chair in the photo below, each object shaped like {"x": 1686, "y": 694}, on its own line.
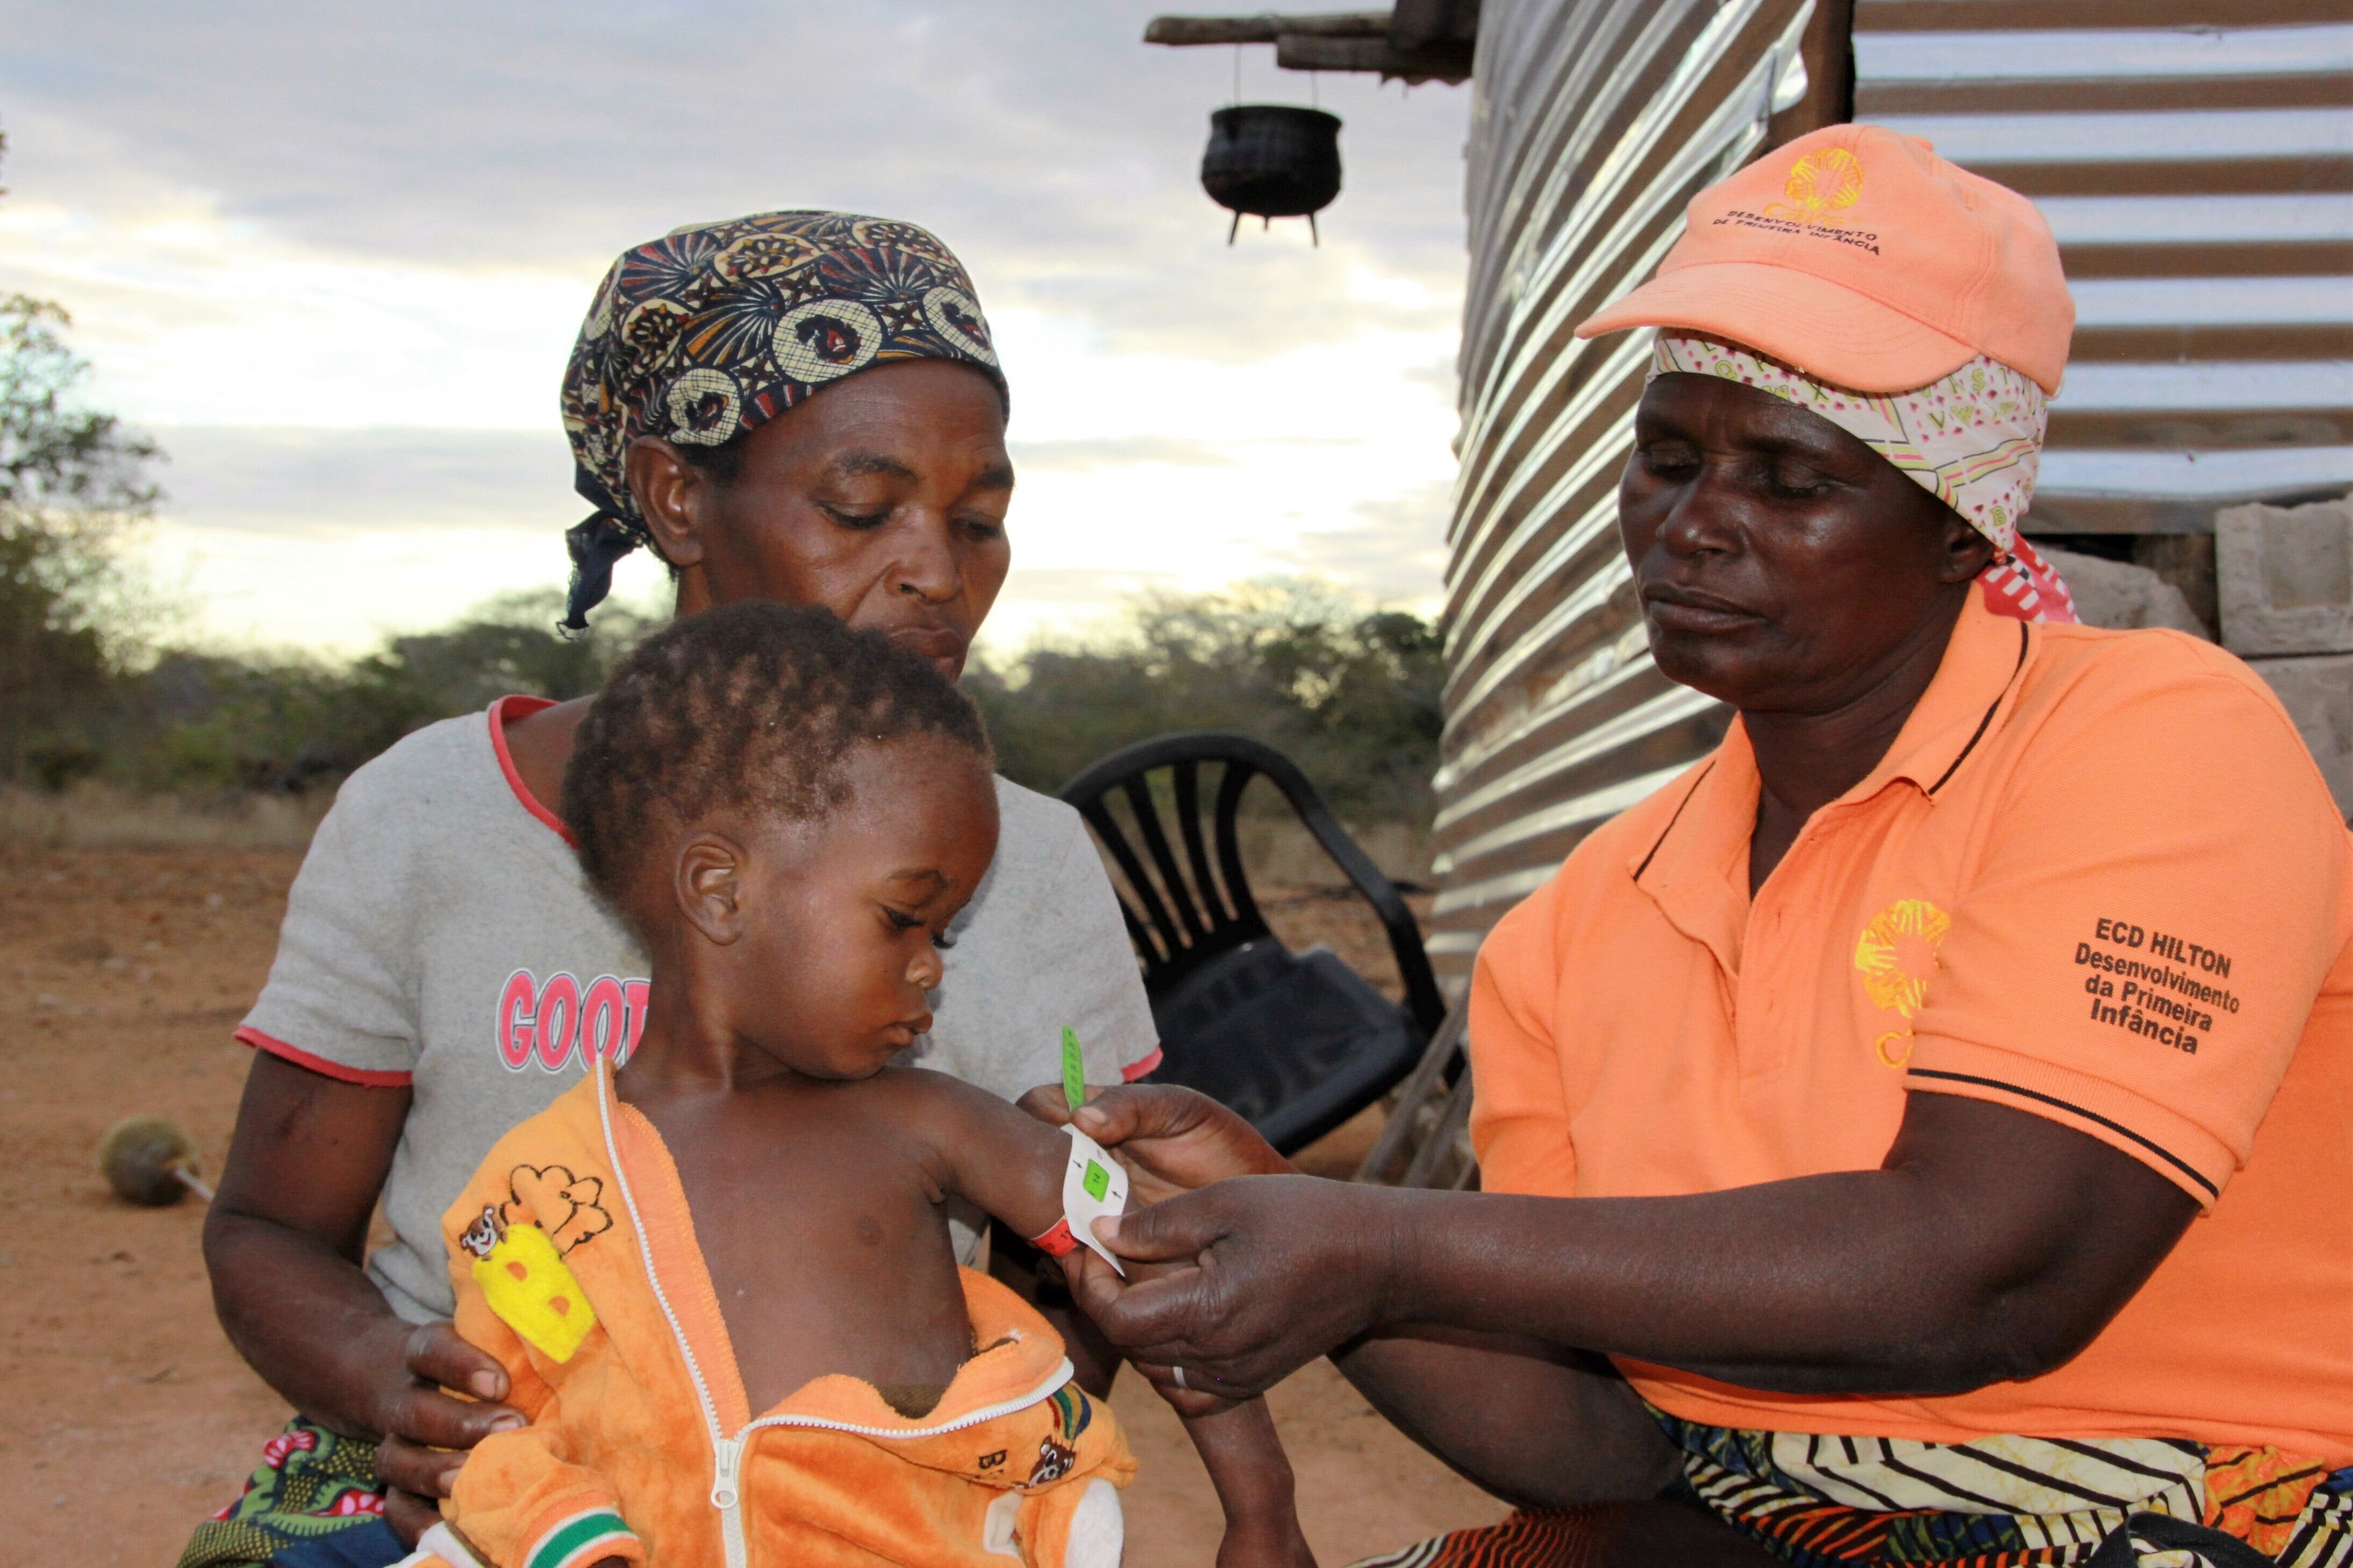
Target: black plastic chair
{"x": 1297, "y": 1043}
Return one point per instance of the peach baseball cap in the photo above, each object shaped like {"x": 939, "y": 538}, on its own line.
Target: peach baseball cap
{"x": 1864, "y": 259}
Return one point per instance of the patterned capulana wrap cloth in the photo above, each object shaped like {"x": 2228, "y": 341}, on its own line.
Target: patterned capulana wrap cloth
{"x": 2002, "y": 1500}
{"x": 312, "y": 1502}
{"x": 1972, "y": 439}
{"x": 1994, "y": 1503}
{"x": 714, "y": 331}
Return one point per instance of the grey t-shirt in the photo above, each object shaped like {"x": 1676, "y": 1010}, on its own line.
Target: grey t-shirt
{"x": 440, "y": 935}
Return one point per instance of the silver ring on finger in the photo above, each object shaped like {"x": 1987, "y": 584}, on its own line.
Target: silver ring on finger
{"x": 1179, "y": 1374}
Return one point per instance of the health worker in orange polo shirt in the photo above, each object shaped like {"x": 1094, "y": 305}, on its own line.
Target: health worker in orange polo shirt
{"x": 1923, "y": 1131}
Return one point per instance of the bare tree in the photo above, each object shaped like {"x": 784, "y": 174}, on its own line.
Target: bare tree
{"x": 72, "y": 482}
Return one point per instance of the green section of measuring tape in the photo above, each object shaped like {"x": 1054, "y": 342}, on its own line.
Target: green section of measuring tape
{"x": 1074, "y": 1069}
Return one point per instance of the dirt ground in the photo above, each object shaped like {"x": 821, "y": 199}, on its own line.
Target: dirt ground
{"x": 127, "y": 1417}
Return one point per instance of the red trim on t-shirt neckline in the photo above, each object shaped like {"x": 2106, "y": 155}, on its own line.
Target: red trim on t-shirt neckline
{"x": 249, "y": 1036}
{"x": 1136, "y": 1069}
{"x": 517, "y": 705}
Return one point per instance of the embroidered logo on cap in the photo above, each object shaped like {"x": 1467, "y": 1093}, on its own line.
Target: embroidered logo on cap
{"x": 1821, "y": 186}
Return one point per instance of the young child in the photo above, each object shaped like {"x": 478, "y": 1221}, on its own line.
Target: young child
{"x": 719, "y": 1277}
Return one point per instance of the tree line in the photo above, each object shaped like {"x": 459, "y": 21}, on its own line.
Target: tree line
{"x": 92, "y": 687}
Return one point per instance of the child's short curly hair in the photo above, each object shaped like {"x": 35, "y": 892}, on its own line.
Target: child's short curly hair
{"x": 750, "y": 707}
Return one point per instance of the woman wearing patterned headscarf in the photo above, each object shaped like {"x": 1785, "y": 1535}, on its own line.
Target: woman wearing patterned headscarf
{"x": 1905, "y": 1137}
{"x": 703, "y": 337}
{"x": 804, "y": 407}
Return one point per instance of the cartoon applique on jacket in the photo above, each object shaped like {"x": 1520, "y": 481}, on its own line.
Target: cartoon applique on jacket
{"x": 642, "y": 1447}
{"x": 519, "y": 1262}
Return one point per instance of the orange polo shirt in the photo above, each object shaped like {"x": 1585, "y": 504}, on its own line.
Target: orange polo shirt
{"x": 2098, "y": 878}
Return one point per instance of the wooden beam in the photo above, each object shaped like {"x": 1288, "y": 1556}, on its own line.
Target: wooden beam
{"x": 1439, "y": 62}
{"x": 1419, "y": 24}
{"x": 1346, "y": 40}
{"x": 1265, "y": 28}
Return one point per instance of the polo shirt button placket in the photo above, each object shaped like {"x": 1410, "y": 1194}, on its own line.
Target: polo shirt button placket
{"x": 1762, "y": 957}
{"x": 1759, "y": 994}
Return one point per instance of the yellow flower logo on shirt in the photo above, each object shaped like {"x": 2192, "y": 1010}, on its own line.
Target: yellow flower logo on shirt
{"x": 1821, "y": 186}
{"x": 1896, "y": 956}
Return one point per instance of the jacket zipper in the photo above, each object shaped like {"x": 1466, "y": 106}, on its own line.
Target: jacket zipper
{"x": 727, "y": 1453}
{"x": 727, "y": 1496}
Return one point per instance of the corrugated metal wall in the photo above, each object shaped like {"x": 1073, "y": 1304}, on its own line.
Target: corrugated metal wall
{"x": 2196, "y": 161}
{"x": 1594, "y": 121}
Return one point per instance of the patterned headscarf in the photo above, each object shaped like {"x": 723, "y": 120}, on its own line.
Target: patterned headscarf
{"x": 714, "y": 331}
{"x": 1972, "y": 439}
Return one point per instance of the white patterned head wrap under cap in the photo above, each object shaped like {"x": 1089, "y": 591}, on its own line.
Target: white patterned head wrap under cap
{"x": 1973, "y": 440}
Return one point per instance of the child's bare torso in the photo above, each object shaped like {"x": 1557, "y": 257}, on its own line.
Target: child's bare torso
{"x": 819, "y": 1213}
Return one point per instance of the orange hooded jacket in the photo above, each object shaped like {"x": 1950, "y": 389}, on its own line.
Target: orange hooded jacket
{"x": 576, "y": 1265}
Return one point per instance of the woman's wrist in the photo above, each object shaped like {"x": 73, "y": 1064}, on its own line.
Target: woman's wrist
{"x": 352, "y": 1374}
{"x": 1387, "y": 1248}
{"x": 308, "y": 1321}
{"x": 1429, "y": 1257}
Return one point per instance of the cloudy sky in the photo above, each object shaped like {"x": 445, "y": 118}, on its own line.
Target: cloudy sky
{"x": 333, "y": 257}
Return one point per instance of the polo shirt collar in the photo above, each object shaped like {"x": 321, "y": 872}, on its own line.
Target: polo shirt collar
{"x": 1697, "y": 868}
{"x": 1953, "y": 716}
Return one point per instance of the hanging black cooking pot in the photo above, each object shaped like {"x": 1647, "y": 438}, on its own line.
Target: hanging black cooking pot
{"x": 1271, "y": 161}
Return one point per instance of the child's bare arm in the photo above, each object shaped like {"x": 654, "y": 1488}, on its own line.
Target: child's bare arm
{"x": 993, "y": 1152}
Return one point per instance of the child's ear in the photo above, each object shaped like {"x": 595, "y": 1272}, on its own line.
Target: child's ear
{"x": 710, "y": 885}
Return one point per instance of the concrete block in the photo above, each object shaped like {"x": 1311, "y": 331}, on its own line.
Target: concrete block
{"x": 2122, "y": 596}
{"x": 2285, "y": 578}
{"x": 2317, "y": 692}
{"x": 2185, "y": 561}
